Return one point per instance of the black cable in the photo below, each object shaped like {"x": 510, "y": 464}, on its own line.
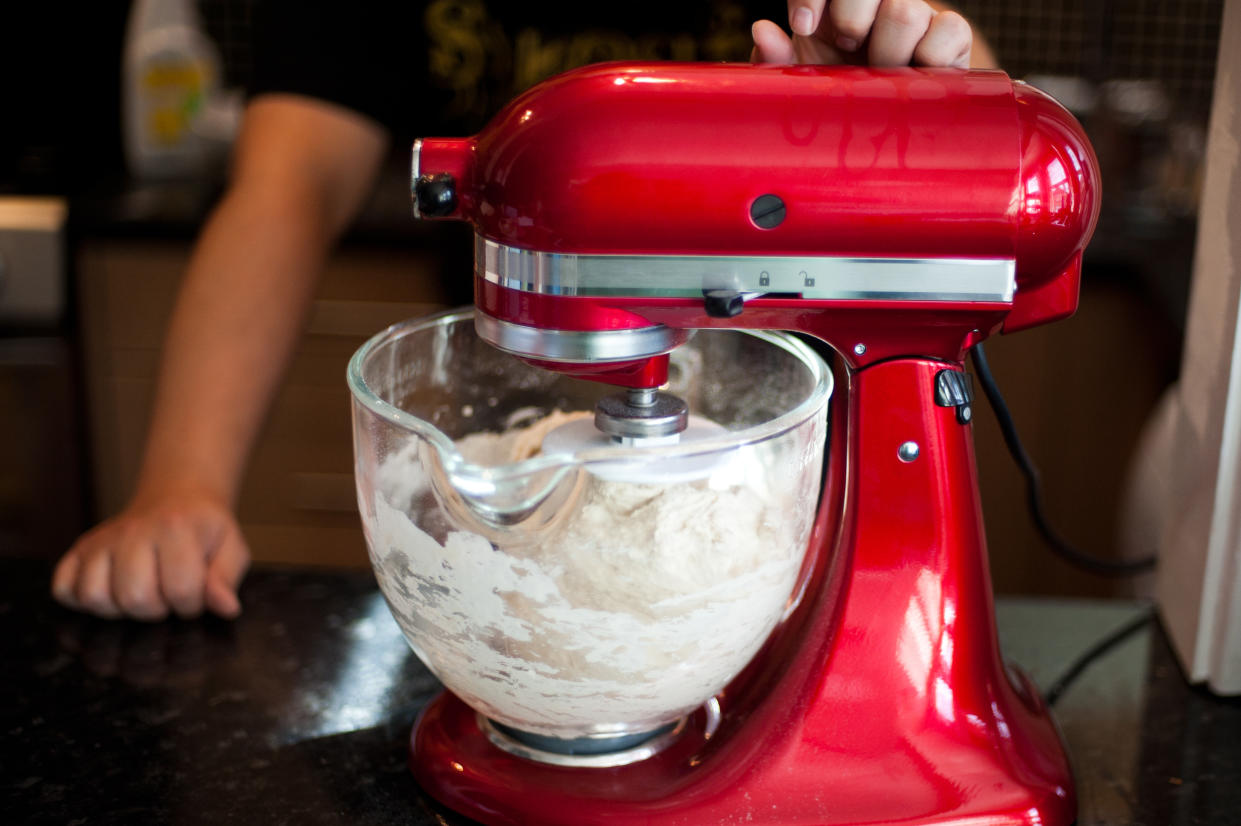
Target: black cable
{"x": 1062, "y": 683}
{"x": 1034, "y": 496}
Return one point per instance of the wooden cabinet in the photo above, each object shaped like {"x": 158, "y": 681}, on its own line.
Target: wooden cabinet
{"x": 297, "y": 502}
{"x": 1080, "y": 392}
{"x": 40, "y": 447}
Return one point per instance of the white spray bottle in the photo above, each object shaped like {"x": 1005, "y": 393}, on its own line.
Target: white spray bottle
{"x": 171, "y": 73}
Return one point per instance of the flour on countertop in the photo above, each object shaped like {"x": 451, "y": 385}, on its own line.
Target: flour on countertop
{"x": 639, "y": 607}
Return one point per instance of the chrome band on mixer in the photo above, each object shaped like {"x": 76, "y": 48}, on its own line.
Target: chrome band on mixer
{"x": 687, "y": 276}
{"x": 576, "y": 346}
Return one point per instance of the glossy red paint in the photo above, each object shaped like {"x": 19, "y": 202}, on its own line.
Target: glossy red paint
{"x": 648, "y": 372}
{"x": 1058, "y": 204}
{"x": 882, "y": 698}
{"x": 666, "y": 158}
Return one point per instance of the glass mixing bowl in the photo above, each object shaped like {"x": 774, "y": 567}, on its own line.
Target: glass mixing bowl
{"x": 551, "y": 593}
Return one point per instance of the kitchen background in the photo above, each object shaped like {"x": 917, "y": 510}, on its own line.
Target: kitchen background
{"x": 76, "y": 377}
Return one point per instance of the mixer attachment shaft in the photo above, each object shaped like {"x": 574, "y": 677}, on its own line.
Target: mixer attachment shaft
{"x": 642, "y": 416}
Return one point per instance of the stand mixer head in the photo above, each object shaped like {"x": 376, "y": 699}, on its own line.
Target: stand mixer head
{"x": 620, "y": 207}
{"x": 898, "y": 215}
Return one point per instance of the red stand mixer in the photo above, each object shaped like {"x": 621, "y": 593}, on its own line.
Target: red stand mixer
{"x": 898, "y": 215}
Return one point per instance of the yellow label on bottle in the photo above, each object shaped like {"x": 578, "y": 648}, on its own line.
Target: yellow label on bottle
{"x": 173, "y": 75}
{"x": 172, "y": 92}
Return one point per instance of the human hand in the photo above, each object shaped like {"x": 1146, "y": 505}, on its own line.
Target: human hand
{"x": 179, "y": 554}
{"x": 877, "y": 32}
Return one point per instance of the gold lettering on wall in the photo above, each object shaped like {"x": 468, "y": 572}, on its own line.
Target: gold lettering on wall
{"x": 534, "y": 59}
{"x": 728, "y": 33}
{"x": 468, "y": 53}
{"x": 471, "y": 55}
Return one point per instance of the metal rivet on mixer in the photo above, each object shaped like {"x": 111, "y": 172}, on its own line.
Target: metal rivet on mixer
{"x": 908, "y": 451}
{"x": 860, "y": 349}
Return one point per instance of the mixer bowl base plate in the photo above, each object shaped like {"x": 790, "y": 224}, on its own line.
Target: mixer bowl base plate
{"x": 595, "y": 752}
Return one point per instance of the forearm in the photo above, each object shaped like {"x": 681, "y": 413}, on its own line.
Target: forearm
{"x": 236, "y": 323}
{"x": 302, "y": 171}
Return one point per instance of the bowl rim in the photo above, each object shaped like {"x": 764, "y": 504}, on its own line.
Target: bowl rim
{"x": 458, "y": 466}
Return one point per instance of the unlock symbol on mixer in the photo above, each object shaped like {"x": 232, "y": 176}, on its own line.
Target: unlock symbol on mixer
{"x": 808, "y": 280}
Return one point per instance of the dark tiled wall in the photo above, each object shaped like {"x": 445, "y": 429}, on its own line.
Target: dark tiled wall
{"x": 228, "y": 23}
{"x": 1170, "y": 41}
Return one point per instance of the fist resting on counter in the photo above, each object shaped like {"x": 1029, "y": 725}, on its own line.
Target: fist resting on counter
{"x": 177, "y": 556}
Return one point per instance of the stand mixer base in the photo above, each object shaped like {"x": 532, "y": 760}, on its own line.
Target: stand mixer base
{"x": 456, "y": 759}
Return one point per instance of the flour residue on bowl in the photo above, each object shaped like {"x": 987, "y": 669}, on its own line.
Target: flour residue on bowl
{"x": 638, "y": 606}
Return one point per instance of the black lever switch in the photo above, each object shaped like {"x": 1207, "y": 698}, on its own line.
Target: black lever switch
{"x": 954, "y": 388}
{"x": 723, "y": 303}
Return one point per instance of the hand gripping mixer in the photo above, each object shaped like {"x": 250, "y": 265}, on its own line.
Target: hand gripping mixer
{"x": 898, "y": 215}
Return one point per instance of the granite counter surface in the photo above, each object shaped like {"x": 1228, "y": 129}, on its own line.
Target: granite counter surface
{"x": 299, "y": 712}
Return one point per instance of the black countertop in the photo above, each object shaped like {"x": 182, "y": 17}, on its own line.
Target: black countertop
{"x": 299, "y": 712}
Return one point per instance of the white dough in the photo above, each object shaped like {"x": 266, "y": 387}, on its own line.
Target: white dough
{"x": 639, "y": 606}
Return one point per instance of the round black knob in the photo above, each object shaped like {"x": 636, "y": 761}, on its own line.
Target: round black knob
{"x": 767, "y": 211}
{"x": 436, "y": 195}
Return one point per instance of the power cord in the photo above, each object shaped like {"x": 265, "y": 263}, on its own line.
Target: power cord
{"x": 1034, "y": 496}
{"x": 1056, "y": 690}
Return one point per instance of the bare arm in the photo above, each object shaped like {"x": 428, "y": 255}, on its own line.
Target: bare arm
{"x": 302, "y": 169}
